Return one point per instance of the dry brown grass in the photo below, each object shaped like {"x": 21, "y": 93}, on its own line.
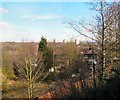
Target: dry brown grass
{"x": 18, "y": 89}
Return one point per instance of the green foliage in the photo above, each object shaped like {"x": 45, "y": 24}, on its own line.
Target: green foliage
{"x": 5, "y": 87}
{"x": 63, "y": 75}
{"x": 4, "y": 83}
{"x": 47, "y": 53}
{"x": 50, "y": 77}
{"x": 75, "y": 66}
{"x": 42, "y": 45}
{"x": 68, "y": 52}
{"x": 10, "y": 73}
{"x": 7, "y": 58}
{"x": 48, "y": 58}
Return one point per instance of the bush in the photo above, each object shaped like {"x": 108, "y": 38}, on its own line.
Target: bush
{"x": 10, "y": 73}
{"x": 50, "y": 77}
{"x": 4, "y": 83}
{"x": 110, "y": 90}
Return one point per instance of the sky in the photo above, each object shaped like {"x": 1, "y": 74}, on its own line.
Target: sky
{"x": 29, "y": 21}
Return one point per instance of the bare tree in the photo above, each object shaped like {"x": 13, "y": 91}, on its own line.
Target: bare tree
{"x": 29, "y": 65}
{"x": 31, "y": 70}
{"x": 101, "y": 31}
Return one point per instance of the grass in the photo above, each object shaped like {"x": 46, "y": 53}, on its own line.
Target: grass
{"x": 18, "y": 89}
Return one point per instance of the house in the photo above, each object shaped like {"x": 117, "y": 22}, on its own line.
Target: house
{"x": 90, "y": 56}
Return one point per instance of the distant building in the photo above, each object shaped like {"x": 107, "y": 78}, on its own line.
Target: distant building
{"x": 90, "y": 56}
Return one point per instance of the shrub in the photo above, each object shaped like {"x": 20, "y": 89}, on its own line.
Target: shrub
{"x": 4, "y": 83}
{"x": 110, "y": 90}
{"x": 10, "y": 73}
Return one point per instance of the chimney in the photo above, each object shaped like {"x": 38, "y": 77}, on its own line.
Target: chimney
{"x": 54, "y": 40}
{"x": 75, "y": 41}
{"x": 63, "y": 40}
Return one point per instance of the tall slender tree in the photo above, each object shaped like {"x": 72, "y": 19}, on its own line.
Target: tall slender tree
{"x": 42, "y": 45}
{"x": 105, "y": 21}
{"x": 47, "y": 53}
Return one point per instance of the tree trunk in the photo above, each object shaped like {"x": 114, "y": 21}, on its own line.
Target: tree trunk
{"x": 103, "y": 43}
